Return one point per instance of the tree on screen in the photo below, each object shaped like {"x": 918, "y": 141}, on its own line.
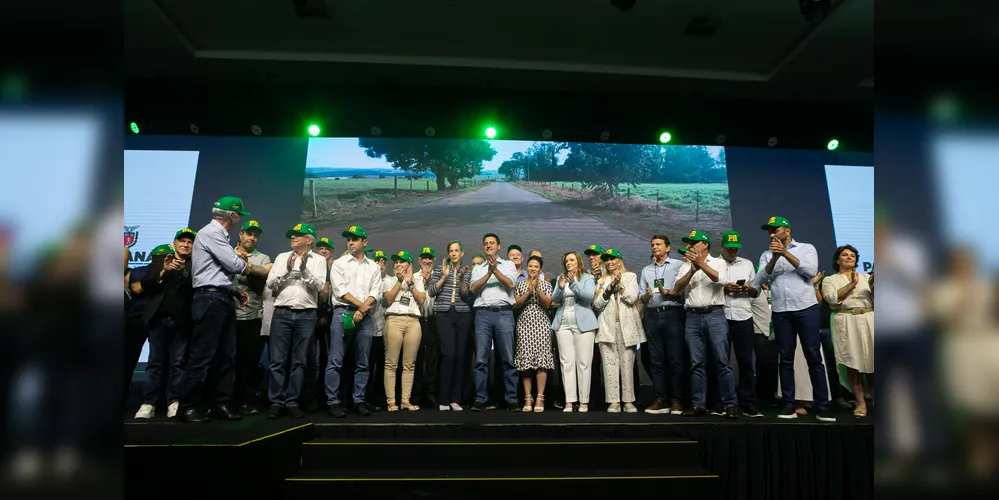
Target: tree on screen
{"x": 689, "y": 164}
{"x": 449, "y": 160}
{"x": 604, "y": 167}
{"x": 515, "y": 167}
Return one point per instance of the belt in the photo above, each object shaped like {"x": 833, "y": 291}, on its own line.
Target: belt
{"x": 495, "y": 308}
{"x": 219, "y": 289}
{"x": 703, "y": 310}
{"x": 349, "y": 308}
{"x": 662, "y": 308}
{"x": 855, "y": 310}
{"x": 289, "y": 308}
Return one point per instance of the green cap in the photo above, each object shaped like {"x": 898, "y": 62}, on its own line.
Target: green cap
{"x": 402, "y": 255}
{"x": 251, "y": 224}
{"x": 514, "y": 247}
{"x": 185, "y": 232}
{"x": 355, "y": 231}
{"x": 428, "y": 251}
{"x": 683, "y": 250}
{"x": 378, "y": 255}
{"x": 611, "y": 253}
{"x": 301, "y": 228}
{"x": 231, "y": 203}
{"x": 731, "y": 239}
{"x": 325, "y": 242}
{"x": 162, "y": 249}
{"x": 776, "y": 222}
{"x": 594, "y": 250}
{"x": 368, "y": 249}
{"x": 697, "y": 235}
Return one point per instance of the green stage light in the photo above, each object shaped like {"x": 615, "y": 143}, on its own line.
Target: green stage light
{"x": 490, "y": 132}
{"x": 314, "y": 130}
{"x": 135, "y": 127}
{"x": 665, "y": 137}
{"x": 833, "y": 144}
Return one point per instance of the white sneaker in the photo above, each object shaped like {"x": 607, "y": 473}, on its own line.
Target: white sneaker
{"x": 614, "y": 408}
{"x": 444, "y": 407}
{"x": 456, "y": 407}
{"x": 630, "y": 408}
{"x": 146, "y": 411}
{"x": 172, "y": 409}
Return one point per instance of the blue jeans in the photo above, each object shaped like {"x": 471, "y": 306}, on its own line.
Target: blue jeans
{"x": 494, "y": 328}
{"x": 788, "y": 326}
{"x": 709, "y": 332}
{"x": 167, "y": 348}
{"x": 212, "y": 354}
{"x": 667, "y": 357}
{"x": 290, "y": 333}
{"x": 360, "y": 337}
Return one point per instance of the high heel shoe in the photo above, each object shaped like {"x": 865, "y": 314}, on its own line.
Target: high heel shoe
{"x": 528, "y": 403}
{"x": 539, "y": 405}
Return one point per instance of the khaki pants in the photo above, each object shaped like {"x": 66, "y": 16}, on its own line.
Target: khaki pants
{"x": 402, "y": 333}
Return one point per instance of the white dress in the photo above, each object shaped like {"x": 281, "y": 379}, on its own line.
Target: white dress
{"x": 852, "y": 334}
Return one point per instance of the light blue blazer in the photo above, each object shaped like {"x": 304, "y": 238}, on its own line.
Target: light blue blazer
{"x": 583, "y": 289}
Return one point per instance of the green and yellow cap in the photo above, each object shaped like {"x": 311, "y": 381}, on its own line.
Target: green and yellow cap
{"x": 325, "y": 242}
{"x": 514, "y": 247}
{"x": 776, "y": 222}
{"x": 162, "y": 249}
{"x": 231, "y": 203}
{"x": 190, "y": 233}
{"x": 611, "y": 253}
{"x": 402, "y": 255}
{"x": 378, "y": 255}
{"x": 731, "y": 239}
{"x": 697, "y": 235}
{"x": 301, "y": 228}
{"x": 428, "y": 251}
{"x": 683, "y": 250}
{"x": 355, "y": 231}
{"x": 251, "y": 224}
{"x": 594, "y": 250}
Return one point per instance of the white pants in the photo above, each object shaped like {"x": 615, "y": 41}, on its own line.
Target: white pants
{"x": 575, "y": 352}
{"x": 619, "y": 364}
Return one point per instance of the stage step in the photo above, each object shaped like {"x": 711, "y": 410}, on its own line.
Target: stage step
{"x": 665, "y": 428}
{"x": 550, "y": 481}
{"x": 460, "y": 456}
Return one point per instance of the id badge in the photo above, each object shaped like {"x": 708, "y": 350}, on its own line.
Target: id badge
{"x": 657, "y": 283}
{"x": 405, "y": 300}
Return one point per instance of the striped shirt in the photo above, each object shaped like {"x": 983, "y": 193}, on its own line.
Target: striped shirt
{"x": 451, "y": 289}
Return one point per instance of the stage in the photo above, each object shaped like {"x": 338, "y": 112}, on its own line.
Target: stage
{"x": 431, "y": 454}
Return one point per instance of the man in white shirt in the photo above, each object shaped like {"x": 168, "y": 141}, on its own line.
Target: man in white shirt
{"x": 702, "y": 279}
{"x": 355, "y": 284}
{"x": 739, "y": 294}
{"x": 376, "y": 360}
{"x": 319, "y": 350}
{"x": 296, "y": 279}
{"x": 429, "y": 359}
{"x": 493, "y": 282}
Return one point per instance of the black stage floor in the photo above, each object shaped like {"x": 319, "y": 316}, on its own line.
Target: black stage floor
{"x": 430, "y": 453}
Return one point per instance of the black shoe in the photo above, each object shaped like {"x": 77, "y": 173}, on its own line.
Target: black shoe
{"x": 558, "y": 404}
{"x": 491, "y": 406}
{"x": 225, "y": 413}
{"x": 732, "y": 412}
{"x": 824, "y": 415}
{"x": 752, "y": 411}
{"x": 275, "y": 412}
{"x": 512, "y": 407}
{"x": 248, "y": 410}
{"x": 195, "y": 416}
{"x": 295, "y": 412}
{"x": 478, "y": 406}
{"x": 787, "y": 413}
{"x": 718, "y": 410}
{"x": 695, "y": 411}
{"x": 363, "y": 409}
{"x": 337, "y": 411}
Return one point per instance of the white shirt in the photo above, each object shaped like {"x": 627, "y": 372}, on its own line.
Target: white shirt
{"x": 493, "y": 294}
{"x": 405, "y": 295}
{"x": 378, "y": 312}
{"x": 361, "y": 279}
{"x": 761, "y": 313}
{"x": 297, "y": 289}
{"x": 701, "y": 291}
{"x": 739, "y": 307}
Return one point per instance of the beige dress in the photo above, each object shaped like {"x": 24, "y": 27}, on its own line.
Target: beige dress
{"x": 852, "y": 334}
{"x": 970, "y": 344}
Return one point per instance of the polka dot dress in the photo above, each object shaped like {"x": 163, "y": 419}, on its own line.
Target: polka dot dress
{"x": 534, "y": 334}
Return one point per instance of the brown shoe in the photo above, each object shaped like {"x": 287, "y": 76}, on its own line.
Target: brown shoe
{"x": 676, "y": 408}
{"x": 657, "y": 408}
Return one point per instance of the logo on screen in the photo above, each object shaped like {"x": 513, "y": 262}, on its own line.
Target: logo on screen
{"x": 131, "y": 236}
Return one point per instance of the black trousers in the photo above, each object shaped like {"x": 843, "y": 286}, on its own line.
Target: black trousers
{"x": 766, "y": 369}
{"x": 746, "y": 343}
{"x": 249, "y": 372}
{"x": 375, "y": 391}
{"x": 212, "y": 353}
{"x": 136, "y": 333}
{"x": 428, "y": 361}
{"x": 468, "y": 379}
{"x": 454, "y": 329}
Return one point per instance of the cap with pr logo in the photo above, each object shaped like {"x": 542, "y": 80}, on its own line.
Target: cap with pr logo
{"x": 251, "y": 224}
{"x": 776, "y": 222}
{"x": 731, "y": 239}
{"x": 231, "y": 203}
{"x": 611, "y": 253}
{"x": 402, "y": 255}
{"x": 594, "y": 250}
{"x": 301, "y": 228}
{"x": 162, "y": 249}
{"x": 378, "y": 255}
{"x": 697, "y": 235}
{"x": 185, "y": 232}
{"x": 325, "y": 242}
{"x": 428, "y": 251}
{"x": 355, "y": 231}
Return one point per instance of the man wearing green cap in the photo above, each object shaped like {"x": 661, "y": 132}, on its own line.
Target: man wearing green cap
{"x": 702, "y": 279}
{"x": 355, "y": 284}
{"x": 167, "y": 284}
{"x": 593, "y": 253}
{"x": 739, "y": 294}
{"x": 296, "y": 281}
{"x": 376, "y": 358}
{"x": 249, "y": 319}
{"x": 789, "y": 266}
{"x": 663, "y": 323}
{"x": 429, "y": 358}
{"x": 318, "y": 351}
{"x": 516, "y": 255}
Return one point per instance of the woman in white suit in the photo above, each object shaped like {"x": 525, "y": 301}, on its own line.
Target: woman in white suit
{"x": 575, "y": 326}
{"x": 620, "y": 330}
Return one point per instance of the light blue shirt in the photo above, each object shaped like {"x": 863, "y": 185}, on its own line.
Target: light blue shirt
{"x": 520, "y": 277}
{"x": 493, "y": 294}
{"x": 790, "y": 289}
{"x": 583, "y": 290}
{"x": 213, "y": 260}
{"x": 666, "y": 272}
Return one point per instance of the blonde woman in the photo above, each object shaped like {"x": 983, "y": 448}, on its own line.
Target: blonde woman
{"x": 404, "y": 300}
{"x": 575, "y": 326}
{"x": 620, "y": 331}
{"x": 851, "y": 298}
